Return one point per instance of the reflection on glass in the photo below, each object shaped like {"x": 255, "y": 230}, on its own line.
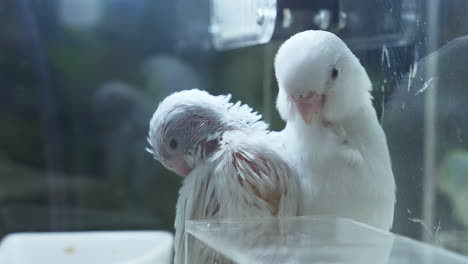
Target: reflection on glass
{"x": 312, "y": 240}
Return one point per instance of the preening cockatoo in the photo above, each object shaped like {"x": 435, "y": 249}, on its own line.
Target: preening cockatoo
{"x": 332, "y": 130}
{"x": 231, "y": 170}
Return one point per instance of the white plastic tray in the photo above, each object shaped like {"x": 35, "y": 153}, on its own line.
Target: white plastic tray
{"x": 140, "y": 247}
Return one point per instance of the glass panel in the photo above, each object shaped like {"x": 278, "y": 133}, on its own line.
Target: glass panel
{"x": 311, "y": 240}
{"x": 79, "y": 81}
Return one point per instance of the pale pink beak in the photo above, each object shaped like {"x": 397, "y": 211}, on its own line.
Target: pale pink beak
{"x": 309, "y": 106}
{"x": 179, "y": 166}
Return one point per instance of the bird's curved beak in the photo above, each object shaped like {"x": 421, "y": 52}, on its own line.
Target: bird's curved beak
{"x": 179, "y": 166}
{"x": 309, "y": 105}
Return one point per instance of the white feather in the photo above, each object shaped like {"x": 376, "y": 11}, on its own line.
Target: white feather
{"x": 342, "y": 157}
{"x": 213, "y": 191}
{"x": 236, "y": 179}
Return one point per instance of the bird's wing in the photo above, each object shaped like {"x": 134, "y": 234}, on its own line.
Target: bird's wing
{"x": 246, "y": 178}
{"x": 256, "y": 180}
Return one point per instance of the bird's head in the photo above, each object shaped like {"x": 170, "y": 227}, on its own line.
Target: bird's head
{"x": 319, "y": 76}
{"x": 184, "y": 129}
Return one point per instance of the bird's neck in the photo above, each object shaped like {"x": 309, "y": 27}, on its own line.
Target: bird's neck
{"x": 322, "y": 132}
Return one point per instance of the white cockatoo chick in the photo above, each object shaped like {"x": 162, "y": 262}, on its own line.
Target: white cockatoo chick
{"x": 332, "y": 129}
{"x": 231, "y": 170}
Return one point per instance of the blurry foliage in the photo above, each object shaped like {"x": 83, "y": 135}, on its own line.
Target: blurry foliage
{"x": 241, "y": 75}
{"x": 20, "y": 140}
{"x": 79, "y": 61}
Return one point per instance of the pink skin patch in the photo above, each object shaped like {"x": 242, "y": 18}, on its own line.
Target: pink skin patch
{"x": 179, "y": 166}
{"x": 327, "y": 124}
{"x": 309, "y": 106}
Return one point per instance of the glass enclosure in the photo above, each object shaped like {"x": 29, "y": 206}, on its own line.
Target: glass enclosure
{"x": 79, "y": 81}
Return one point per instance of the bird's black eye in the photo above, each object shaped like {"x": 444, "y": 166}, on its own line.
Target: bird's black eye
{"x": 334, "y": 73}
{"x": 173, "y": 143}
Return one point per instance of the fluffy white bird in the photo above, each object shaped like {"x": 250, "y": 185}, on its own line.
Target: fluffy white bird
{"x": 332, "y": 130}
{"x": 230, "y": 168}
